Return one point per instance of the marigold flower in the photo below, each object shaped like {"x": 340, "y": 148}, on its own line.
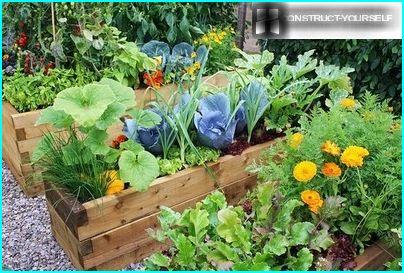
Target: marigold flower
{"x": 331, "y": 169}
{"x": 295, "y": 140}
{"x": 348, "y": 103}
{"x": 312, "y": 199}
{"x": 304, "y": 171}
{"x": 353, "y": 156}
{"x": 331, "y": 148}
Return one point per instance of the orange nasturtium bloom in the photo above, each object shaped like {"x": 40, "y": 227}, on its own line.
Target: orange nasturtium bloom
{"x": 331, "y": 169}
{"x": 312, "y": 199}
{"x": 305, "y": 171}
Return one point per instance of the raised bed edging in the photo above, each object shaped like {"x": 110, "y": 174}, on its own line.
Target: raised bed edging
{"x": 20, "y": 135}
{"x": 110, "y": 232}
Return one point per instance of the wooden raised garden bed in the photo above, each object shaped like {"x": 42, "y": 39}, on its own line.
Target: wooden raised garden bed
{"x": 20, "y": 135}
{"x": 110, "y": 232}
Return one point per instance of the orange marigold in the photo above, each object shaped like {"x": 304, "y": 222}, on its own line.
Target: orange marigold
{"x": 331, "y": 169}
{"x": 312, "y": 199}
{"x": 331, "y": 148}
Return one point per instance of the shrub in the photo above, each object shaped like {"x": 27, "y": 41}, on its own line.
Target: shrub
{"x": 377, "y": 63}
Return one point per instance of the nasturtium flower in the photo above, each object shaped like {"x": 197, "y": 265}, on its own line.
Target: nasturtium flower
{"x": 353, "y": 156}
{"x": 312, "y": 199}
{"x": 331, "y": 148}
{"x": 331, "y": 169}
{"x": 295, "y": 140}
{"x": 304, "y": 171}
{"x": 348, "y": 103}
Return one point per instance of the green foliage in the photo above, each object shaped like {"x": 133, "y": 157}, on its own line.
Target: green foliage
{"x": 292, "y": 89}
{"x": 193, "y": 157}
{"x": 28, "y": 93}
{"x": 128, "y": 64}
{"x": 169, "y": 166}
{"x": 215, "y": 236}
{"x": 93, "y": 108}
{"x": 363, "y": 201}
{"x": 377, "y": 63}
{"x": 219, "y": 41}
{"x": 70, "y": 164}
{"x": 170, "y": 22}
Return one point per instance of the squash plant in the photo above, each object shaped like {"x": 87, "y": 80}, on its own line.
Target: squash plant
{"x": 216, "y": 236}
{"x": 86, "y": 113}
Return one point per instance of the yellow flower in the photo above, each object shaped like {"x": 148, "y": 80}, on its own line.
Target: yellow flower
{"x": 353, "y": 156}
{"x": 331, "y": 148}
{"x": 295, "y": 140}
{"x": 304, "y": 171}
{"x": 193, "y": 54}
{"x": 197, "y": 65}
{"x": 348, "y": 103}
{"x": 115, "y": 185}
{"x": 158, "y": 60}
{"x": 312, "y": 199}
{"x": 331, "y": 169}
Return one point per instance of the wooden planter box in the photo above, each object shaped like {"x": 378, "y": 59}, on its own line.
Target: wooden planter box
{"x": 109, "y": 233}
{"x": 374, "y": 257}
{"x": 20, "y": 135}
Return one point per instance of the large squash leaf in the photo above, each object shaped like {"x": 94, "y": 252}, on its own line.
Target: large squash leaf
{"x": 85, "y": 104}
{"x": 138, "y": 169}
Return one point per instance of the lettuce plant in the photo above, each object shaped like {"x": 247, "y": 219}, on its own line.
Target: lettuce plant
{"x": 91, "y": 110}
{"x": 269, "y": 235}
{"x": 256, "y": 101}
{"x": 214, "y": 122}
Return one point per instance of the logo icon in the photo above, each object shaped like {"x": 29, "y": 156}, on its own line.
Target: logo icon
{"x": 267, "y": 20}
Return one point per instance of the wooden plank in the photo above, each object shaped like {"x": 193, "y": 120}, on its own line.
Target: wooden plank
{"x": 373, "y": 258}
{"x": 112, "y": 211}
{"x": 24, "y": 120}
{"x": 65, "y": 238}
{"x": 115, "y": 243}
{"x": 141, "y": 251}
{"x": 67, "y": 207}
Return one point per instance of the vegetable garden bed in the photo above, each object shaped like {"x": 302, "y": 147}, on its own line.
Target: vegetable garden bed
{"x": 110, "y": 232}
{"x": 21, "y": 135}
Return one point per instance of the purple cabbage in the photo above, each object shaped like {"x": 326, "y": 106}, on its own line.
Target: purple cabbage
{"x": 212, "y": 121}
{"x": 149, "y": 138}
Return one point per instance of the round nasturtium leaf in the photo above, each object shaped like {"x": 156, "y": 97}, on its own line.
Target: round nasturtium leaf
{"x": 139, "y": 169}
{"x": 85, "y": 104}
